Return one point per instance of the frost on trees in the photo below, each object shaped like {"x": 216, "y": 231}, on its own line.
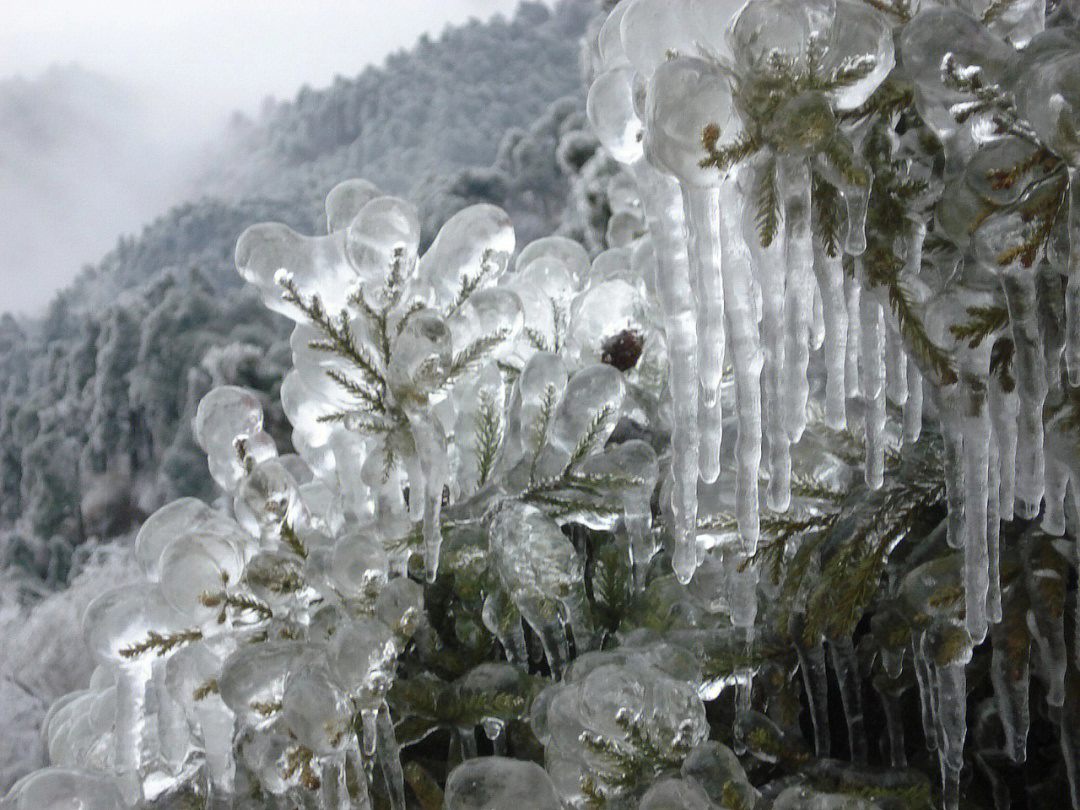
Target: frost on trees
{"x": 591, "y": 496}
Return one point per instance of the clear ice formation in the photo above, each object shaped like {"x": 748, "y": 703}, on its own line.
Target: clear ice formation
{"x": 496, "y": 782}
{"x": 675, "y": 102}
{"x": 263, "y": 641}
{"x": 459, "y": 402}
{"x": 727, "y": 296}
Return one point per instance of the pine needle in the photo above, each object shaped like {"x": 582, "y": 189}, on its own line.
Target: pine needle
{"x": 161, "y": 644}
{"x": 587, "y": 443}
{"x": 488, "y": 436}
{"x": 766, "y": 202}
{"x": 984, "y": 322}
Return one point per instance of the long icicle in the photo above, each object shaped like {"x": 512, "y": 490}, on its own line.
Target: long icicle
{"x": 768, "y": 264}
{"x": 830, "y": 283}
{"x": 1009, "y": 675}
{"x": 872, "y": 385}
{"x": 1072, "y": 291}
{"x": 852, "y": 294}
{"x": 1019, "y": 286}
{"x": 746, "y": 356}
{"x": 794, "y": 182}
{"x": 914, "y": 241}
{"x": 130, "y": 725}
{"x": 702, "y": 210}
{"x": 846, "y": 667}
{"x": 975, "y": 428}
{"x": 815, "y": 683}
{"x": 896, "y": 367}
{"x": 993, "y": 532}
{"x": 913, "y": 407}
{"x": 664, "y": 213}
{"x": 952, "y": 431}
{"x": 1005, "y": 413}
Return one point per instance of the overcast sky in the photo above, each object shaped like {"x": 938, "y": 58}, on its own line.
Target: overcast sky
{"x": 194, "y": 61}
{"x": 236, "y": 51}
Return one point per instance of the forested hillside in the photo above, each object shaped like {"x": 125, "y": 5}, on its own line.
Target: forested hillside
{"x": 97, "y": 397}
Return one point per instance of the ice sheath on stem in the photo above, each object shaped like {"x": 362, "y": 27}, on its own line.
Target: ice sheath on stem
{"x": 976, "y": 438}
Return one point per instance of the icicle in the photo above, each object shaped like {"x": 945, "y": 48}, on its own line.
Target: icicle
{"x": 872, "y": 385}
{"x": 333, "y": 787}
{"x": 857, "y": 200}
{"x": 1070, "y": 748}
{"x": 744, "y": 686}
{"x": 1051, "y": 315}
{"x": 817, "y": 320}
{"x": 746, "y": 357}
{"x": 702, "y": 211}
{"x": 1076, "y": 630}
{"x": 388, "y": 756}
{"x": 354, "y": 761}
{"x": 846, "y": 667}
{"x": 369, "y": 731}
{"x": 830, "y": 286}
{"x": 664, "y": 215}
{"x": 1057, "y": 484}
{"x": 945, "y": 651}
{"x": 426, "y": 468}
{"x": 173, "y": 732}
{"x": 894, "y": 718}
{"x": 975, "y": 447}
{"x": 1005, "y": 411}
{"x": 913, "y": 404}
{"x": 660, "y": 196}
{"x": 1010, "y": 674}
{"x": 993, "y": 534}
{"x": 216, "y": 725}
{"x": 1048, "y": 631}
{"x": 927, "y": 706}
{"x": 710, "y": 421}
{"x": 913, "y": 407}
{"x": 852, "y": 294}
{"x": 130, "y": 727}
{"x": 466, "y": 740}
{"x": 1019, "y": 286}
{"x": 896, "y": 367}
{"x": 951, "y": 687}
{"x": 1061, "y": 470}
{"x": 954, "y": 471}
{"x": 794, "y": 182}
{"x": 816, "y": 684}
{"x": 913, "y": 247}
{"x": 1072, "y": 290}
{"x": 768, "y": 264}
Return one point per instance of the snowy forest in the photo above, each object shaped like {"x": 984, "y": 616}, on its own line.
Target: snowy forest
{"x": 645, "y": 405}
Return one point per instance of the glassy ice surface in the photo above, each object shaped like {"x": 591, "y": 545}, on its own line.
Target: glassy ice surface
{"x": 601, "y": 468}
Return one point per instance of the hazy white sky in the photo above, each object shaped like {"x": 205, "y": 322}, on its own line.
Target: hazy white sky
{"x": 230, "y": 53}
{"x": 189, "y": 63}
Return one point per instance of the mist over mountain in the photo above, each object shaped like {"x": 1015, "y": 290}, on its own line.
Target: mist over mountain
{"x": 83, "y": 158}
